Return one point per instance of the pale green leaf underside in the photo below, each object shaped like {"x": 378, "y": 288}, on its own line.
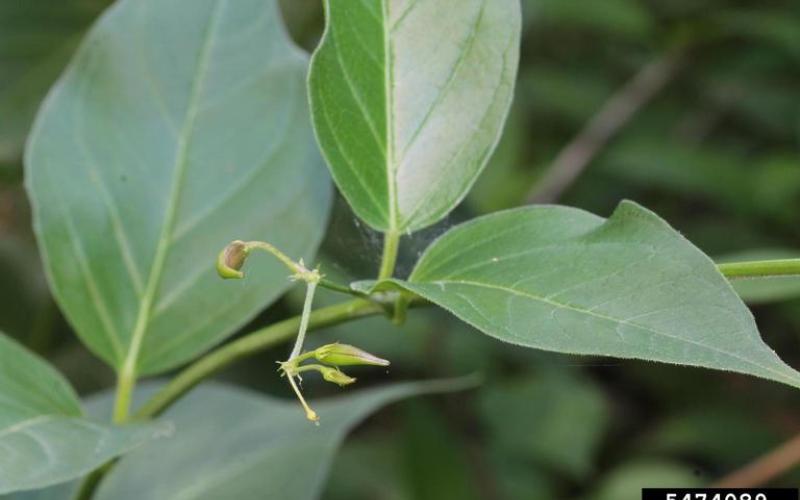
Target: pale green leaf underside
{"x": 247, "y": 446}
{"x": 561, "y": 279}
{"x": 44, "y": 438}
{"x": 178, "y": 127}
{"x": 408, "y": 99}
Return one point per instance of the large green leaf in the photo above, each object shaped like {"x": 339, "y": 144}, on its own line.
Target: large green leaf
{"x": 562, "y": 279}
{"x": 43, "y": 435}
{"x": 247, "y": 446}
{"x": 408, "y": 100}
{"x": 179, "y": 126}
{"x": 567, "y": 417}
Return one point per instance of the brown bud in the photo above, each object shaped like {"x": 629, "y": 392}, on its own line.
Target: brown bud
{"x": 231, "y": 260}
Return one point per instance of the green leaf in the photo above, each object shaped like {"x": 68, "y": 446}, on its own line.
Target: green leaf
{"x": 43, "y": 435}
{"x": 561, "y": 279}
{"x": 247, "y": 446}
{"x": 178, "y": 127}
{"x": 386, "y": 479}
{"x": 408, "y": 99}
{"x": 568, "y": 417}
{"x": 435, "y": 456}
{"x": 704, "y": 433}
{"x": 626, "y": 482}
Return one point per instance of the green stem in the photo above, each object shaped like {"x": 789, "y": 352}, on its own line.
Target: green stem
{"x": 298, "y": 347}
{"x": 249, "y": 345}
{"x": 310, "y": 414}
{"x": 761, "y": 268}
{"x": 92, "y": 481}
{"x": 271, "y": 249}
{"x": 301, "y": 332}
{"x": 308, "y": 368}
{"x": 126, "y": 382}
{"x": 391, "y": 241}
{"x": 298, "y": 268}
{"x": 336, "y": 287}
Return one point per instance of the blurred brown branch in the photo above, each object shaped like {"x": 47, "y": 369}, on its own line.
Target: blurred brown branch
{"x": 765, "y": 468}
{"x": 603, "y": 126}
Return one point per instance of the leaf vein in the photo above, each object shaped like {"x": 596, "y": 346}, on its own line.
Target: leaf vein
{"x": 619, "y": 321}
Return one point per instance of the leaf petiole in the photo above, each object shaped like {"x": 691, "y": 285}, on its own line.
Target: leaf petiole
{"x": 760, "y": 268}
{"x": 391, "y": 242}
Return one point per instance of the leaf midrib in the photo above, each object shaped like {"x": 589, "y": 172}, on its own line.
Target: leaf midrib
{"x": 388, "y": 78}
{"x": 392, "y": 162}
{"x": 545, "y": 300}
{"x": 181, "y": 160}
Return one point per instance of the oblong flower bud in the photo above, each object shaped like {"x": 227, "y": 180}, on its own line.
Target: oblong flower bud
{"x": 347, "y": 355}
{"x": 231, "y": 259}
{"x": 336, "y": 376}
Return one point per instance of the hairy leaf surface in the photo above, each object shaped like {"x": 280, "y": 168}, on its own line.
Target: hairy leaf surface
{"x": 562, "y": 279}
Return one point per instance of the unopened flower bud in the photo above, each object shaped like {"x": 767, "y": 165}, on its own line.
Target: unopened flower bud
{"x": 347, "y": 355}
{"x": 336, "y": 376}
{"x": 231, "y": 260}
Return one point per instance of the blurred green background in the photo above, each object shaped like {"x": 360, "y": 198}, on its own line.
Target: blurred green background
{"x": 692, "y": 109}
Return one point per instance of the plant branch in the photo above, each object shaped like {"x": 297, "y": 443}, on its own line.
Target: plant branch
{"x": 126, "y": 382}
{"x": 391, "y": 242}
{"x": 249, "y": 345}
{"x": 765, "y": 468}
{"x": 760, "y": 268}
{"x": 92, "y": 481}
{"x": 298, "y": 346}
{"x": 304, "y": 318}
{"x": 603, "y": 126}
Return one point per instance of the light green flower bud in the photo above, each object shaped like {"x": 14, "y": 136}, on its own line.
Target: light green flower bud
{"x": 347, "y": 355}
{"x": 336, "y": 376}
